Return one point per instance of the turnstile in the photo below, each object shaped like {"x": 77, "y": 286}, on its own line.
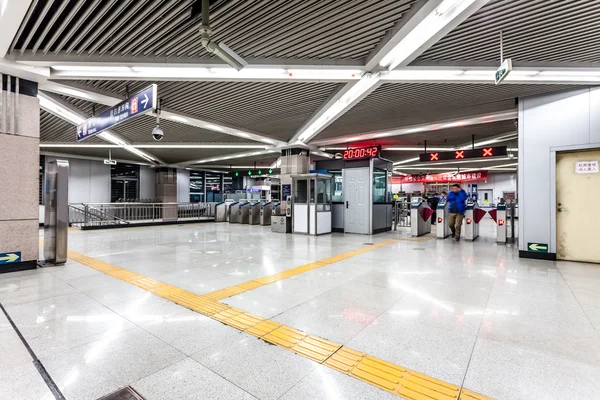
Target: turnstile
{"x": 420, "y": 217}
{"x": 501, "y": 223}
{"x": 266, "y": 210}
{"x": 276, "y": 209}
{"x": 472, "y": 221}
{"x": 244, "y": 213}
{"x": 221, "y": 212}
{"x": 442, "y": 211}
{"x": 234, "y": 209}
{"x": 254, "y": 213}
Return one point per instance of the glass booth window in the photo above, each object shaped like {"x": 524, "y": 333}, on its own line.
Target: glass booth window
{"x": 337, "y": 186}
{"x": 301, "y": 192}
{"x": 324, "y": 195}
{"x": 379, "y": 185}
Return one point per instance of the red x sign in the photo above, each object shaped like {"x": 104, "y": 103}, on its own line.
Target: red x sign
{"x": 460, "y": 154}
{"x": 487, "y": 152}
{"x": 434, "y": 156}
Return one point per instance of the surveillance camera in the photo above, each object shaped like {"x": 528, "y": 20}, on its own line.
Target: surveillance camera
{"x": 158, "y": 134}
{"x": 223, "y": 51}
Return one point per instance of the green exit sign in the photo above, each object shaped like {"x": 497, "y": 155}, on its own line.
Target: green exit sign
{"x": 537, "y": 247}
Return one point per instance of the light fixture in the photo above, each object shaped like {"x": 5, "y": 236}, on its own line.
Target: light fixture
{"x": 82, "y": 146}
{"x": 346, "y": 101}
{"x": 406, "y": 161}
{"x": 430, "y": 26}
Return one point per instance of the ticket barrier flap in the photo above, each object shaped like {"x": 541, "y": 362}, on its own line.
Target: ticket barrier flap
{"x": 234, "y": 210}
{"x": 221, "y": 211}
{"x": 266, "y": 210}
{"x": 254, "y": 213}
{"x": 244, "y": 213}
{"x": 420, "y": 217}
{"x": 501, "y": 223}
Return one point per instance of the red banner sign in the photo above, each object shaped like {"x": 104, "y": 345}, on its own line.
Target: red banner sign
{"x": 446, "y": 177}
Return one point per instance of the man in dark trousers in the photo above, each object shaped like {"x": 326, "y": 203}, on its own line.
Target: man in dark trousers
{"x": 457, "y": 204}
{"x": 433, "y": 203}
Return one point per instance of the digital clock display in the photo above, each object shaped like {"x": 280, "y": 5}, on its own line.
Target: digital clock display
{"x": 357, "y": 154}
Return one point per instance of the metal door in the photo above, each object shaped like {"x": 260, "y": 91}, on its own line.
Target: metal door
{"x": 577, "y": 204}
{"x": 356, "y": 200}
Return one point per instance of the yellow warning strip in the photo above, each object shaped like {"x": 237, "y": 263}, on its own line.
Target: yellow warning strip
{"x": 251, "y": 285}
{"x": 387, "y": 376}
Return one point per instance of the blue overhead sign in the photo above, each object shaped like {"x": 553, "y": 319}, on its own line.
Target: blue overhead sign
{"x": 9, "y": 258}
{"x": 140, "y": 103}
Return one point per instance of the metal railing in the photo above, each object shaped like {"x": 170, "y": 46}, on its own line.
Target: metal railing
{"x": 401, "y": 214}
{"x": 93, "y": 214}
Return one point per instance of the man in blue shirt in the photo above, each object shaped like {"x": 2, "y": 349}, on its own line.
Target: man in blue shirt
{"x": 457, "y": 204}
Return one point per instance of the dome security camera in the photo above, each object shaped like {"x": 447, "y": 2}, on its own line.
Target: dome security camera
{"x": 158, "y": 134}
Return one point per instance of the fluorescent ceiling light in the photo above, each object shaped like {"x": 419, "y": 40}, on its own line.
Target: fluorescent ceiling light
{"x": 433, "y": 23}
{"x": 422, "y": 148}
{"x": 343, "y": 103}
{"x": 208, "y": 73}
{"x": 199, "y": 146}
{"x": 425, "y": 165}
{"x": 406, "y": 161}
{"x": 477, "y": 75}
{"x": 82, "y": 146}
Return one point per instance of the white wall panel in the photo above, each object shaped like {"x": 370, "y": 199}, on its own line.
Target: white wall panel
{"x": 147, "y": 183}
{"x": 183, "y": 186}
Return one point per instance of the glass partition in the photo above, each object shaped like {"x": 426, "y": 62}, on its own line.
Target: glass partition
{"x": 379, "y": 185}
{"x": 337, "y": 186}
{"x": 301, "y": 192}
{"x": 324, "y": 195}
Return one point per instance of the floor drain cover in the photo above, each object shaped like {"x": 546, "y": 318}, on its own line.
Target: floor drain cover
{"x": 367, "y": 244}
{"x": 123, "y": 394}
{"x": 418, "y": 248}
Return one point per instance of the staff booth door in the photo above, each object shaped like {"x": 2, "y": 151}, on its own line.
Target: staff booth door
{"x": 357, "y": 196}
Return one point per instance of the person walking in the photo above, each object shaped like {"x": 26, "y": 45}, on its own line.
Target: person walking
{"x": 457, "y": 204}
{"x": 433, "y": 203}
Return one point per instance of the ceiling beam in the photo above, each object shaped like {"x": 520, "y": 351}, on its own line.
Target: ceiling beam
{"x": 425, "y": 127}
{"x": 60, "y": 108}
{"x": 12, "y": 14}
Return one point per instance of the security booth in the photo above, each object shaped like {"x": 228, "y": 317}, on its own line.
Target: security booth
{"x": 362, "y": 197}
{"x": 311, "y": 209}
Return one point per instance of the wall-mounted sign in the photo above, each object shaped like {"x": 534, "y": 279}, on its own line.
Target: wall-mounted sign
{"x": 11, "y": 257}
{"x": 110, "y": 162}
{"x": 447, "y": 177}
{"x": 362, "y": 153}
{"x": 484, "y": 152}
{"x": 140, "y": 103}
{"x": 586, "y": 167}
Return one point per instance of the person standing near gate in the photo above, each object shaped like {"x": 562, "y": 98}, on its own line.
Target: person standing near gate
{"x": 457, "y": 204}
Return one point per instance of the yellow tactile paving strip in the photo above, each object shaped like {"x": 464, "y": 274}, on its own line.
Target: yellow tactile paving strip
{"x": 387, "y": 376}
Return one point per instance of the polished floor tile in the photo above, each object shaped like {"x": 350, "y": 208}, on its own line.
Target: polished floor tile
{"x": 23, "y": 382}
{"x": 358, "y": 295}
{"x": 146, "y": 309}
{"x": 98, "y": 368}
{"x": 263, "y": 370}
{"x": 188, "y": 380}
{"x": 190, "y": 332}
{"x": 14, "y": 353}
{"x": 328, "y": 384}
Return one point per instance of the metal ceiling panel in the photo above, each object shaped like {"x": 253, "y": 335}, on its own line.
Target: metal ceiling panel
{"x": 533, "y": 31}
{"x": 295, "y": 29}
{"x": 400, "y": 104}
{"x": 276, "y": 109}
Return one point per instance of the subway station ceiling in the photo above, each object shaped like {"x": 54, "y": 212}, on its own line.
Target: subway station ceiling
{"x": 267, "y": 112}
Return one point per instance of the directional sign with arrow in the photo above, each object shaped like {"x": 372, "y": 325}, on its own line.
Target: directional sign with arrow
{"x": 537, "y": 247}
{"x": 9, "y": 258}
{"x": 140, "y": 103}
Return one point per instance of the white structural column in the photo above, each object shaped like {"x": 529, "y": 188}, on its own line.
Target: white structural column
{"x": 12, "y": 12}
{"x": 424, "y": 25}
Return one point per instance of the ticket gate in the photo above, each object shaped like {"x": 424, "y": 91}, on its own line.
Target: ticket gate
{"x": 266, "y": 210}
{"x": 234, "y": 210}
{"x": 501, "y": 223}
{"x": 276, "y": 209}
{"x": 244, "y": 213}
{"x": 442, "y": 211}
{"x": 221, "y": 211}
{"x": 420, "y": 217}
{"x": 473, "y": 215}
{"x": 254, "y": 213}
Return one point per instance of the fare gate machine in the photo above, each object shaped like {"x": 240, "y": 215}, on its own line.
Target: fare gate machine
{"x": 501, "y": 223}
{"x": 234, "y": 210}
{"x": 221, "y": 210}
{"x": 420, "y": 217}
{"x": 254, "y": 214}
{"x": 266, "y": 210}
{"x": 472, "y": 221}
{"x": 442, "y": 228}
{"x": 244, "y": 213}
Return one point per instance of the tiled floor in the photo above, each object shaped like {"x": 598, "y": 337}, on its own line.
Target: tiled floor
{"x": 467, "y": 313}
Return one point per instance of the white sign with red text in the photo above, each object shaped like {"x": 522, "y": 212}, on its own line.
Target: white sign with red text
{"x": 586, "y": 167}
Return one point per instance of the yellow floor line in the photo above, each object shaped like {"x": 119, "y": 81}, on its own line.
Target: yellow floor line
{"x": 387, "y": 376}
{"x": 253, "y": 284}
